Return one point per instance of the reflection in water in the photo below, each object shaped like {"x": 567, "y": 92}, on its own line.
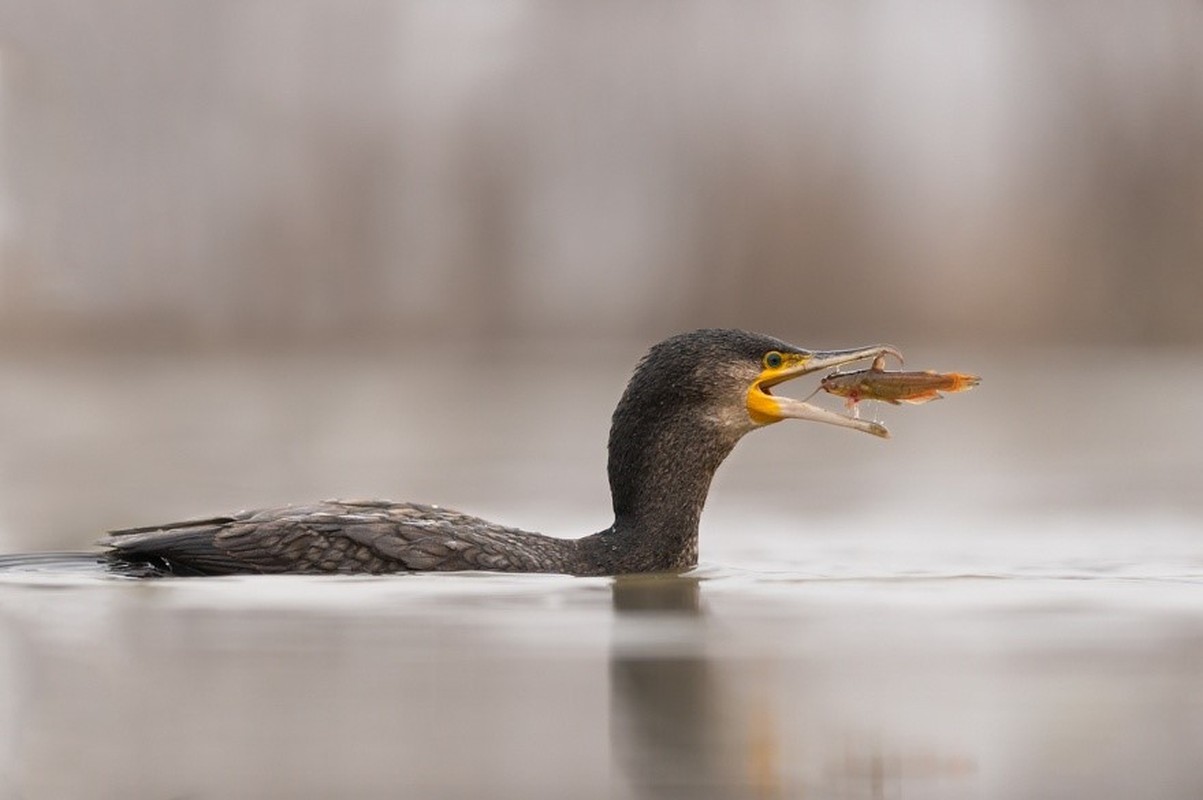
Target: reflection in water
{"x": 689, "y": 724}
{"x": 732, "y": 686}
{"x": 673, "y": 731}
{"x": 665, "y": 718}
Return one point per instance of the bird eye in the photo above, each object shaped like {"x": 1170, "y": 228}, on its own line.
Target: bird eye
{"x": 773, "y": 359}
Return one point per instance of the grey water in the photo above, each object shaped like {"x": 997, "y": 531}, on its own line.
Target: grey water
{"x": 1005, "y": 600}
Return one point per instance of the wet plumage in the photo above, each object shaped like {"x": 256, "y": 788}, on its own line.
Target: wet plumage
{"x": 368, "y": 536}
{"x": 689, "y": 401}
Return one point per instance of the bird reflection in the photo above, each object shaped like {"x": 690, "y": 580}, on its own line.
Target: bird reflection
{"x": 668, "y": 728}
{"x": 686, "y": 723}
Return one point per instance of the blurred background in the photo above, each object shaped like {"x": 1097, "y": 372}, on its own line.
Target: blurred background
{"x": 255, "y": 252}
{"x": 241, "y": 242}
{"x": 215, "y": 173}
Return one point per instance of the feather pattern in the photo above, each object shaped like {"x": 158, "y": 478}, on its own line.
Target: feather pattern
{"x": 344, "y": 536}
{"x": 683, "y": 411}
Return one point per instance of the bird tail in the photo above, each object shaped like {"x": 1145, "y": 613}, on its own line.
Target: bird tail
{"x": 76, "y": 563}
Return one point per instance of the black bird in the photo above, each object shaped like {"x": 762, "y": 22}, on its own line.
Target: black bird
{"x": 689, "y": 401}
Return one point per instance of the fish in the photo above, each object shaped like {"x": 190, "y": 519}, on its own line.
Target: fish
{"x": 888, "y": 386}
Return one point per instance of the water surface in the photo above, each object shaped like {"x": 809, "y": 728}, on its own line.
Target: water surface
{"x": 1006, "y": 600}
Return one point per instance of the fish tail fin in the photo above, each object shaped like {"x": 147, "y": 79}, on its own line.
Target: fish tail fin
{"x": 961, "y": 381}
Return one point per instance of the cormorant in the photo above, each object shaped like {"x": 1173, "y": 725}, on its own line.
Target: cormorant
{"x": 691, "y": 398}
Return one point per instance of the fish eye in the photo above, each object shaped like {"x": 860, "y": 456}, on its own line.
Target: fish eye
{"x": 773, "y": 359}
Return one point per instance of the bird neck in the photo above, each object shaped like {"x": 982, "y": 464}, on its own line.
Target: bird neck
{"x": 660, "y": 472}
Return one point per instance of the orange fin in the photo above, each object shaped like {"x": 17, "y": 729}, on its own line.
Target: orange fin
{"x": 923, "y": 398}
{"x": 961, "y": 381}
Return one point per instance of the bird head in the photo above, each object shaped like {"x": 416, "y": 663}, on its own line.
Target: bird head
{"x": 728, "y": 376}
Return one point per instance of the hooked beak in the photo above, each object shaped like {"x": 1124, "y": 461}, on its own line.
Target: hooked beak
{"x": 766, "y": 408}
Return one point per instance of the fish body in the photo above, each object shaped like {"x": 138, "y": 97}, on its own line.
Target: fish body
{"x": 895, "y": 387}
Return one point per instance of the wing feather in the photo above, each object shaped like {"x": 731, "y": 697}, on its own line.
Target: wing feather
{"x": 371, "y": 536}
